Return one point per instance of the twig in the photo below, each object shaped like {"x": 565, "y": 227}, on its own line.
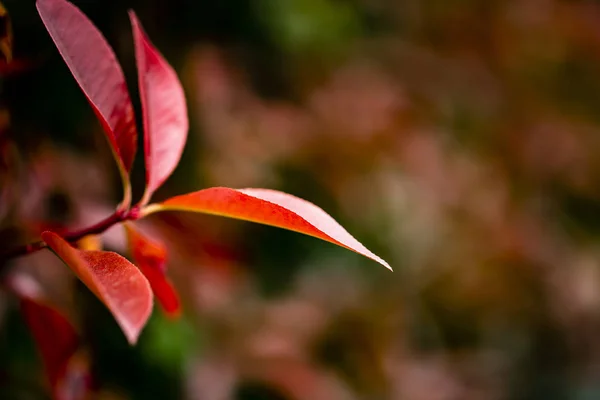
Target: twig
{"x": 117, "y": 217}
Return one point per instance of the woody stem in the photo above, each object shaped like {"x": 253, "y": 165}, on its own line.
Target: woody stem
{"x": 74, "y": 236}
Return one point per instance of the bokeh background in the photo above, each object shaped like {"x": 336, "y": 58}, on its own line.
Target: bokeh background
{"x": 457, "y": 139}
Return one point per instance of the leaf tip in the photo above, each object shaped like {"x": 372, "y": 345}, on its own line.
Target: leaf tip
{"x": 373, "y": 257}
{"x": 133, "y": 18}
{"x": 132, "y": 333}
{"x": 385, "y": 264}
{"x": 48, "y": 237}
{"x": 113, "y": 279}
{"x": 132, "y": 329}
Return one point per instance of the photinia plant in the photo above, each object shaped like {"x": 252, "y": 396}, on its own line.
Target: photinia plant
{"x": 126, "y": 289}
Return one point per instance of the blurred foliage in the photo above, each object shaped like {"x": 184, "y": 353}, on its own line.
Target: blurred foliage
{"x": 457, "y": 139}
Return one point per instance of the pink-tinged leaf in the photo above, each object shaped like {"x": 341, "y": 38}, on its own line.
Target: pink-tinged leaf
{"x": 96, "y": 69}
{"x": 113, "y": 279}
{"x": 54, "y": 336}
{"x": 164, "y": 111}
{"x": 267, "y": 207}
{"x": 151, "y": 257}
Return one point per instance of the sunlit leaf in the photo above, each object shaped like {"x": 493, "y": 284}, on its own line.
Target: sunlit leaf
{"x": 151, "y": 257}
{"x": 164, "y": 111}
{"x": 96, "y": 69}
{"x": 113, "y": 279}
{"x": 267, "y": 207}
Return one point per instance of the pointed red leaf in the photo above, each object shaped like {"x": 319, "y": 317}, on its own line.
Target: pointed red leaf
{"x": 113, "y": 279}
{"x": 151, "y": 257}
{"x": 267, "y": 207}
{"x": 96, "y": 69}
{"x": 164, "y": 110}
{"x": 54, "y": 336}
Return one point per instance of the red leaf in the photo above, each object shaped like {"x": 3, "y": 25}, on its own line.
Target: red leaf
{"x": 164, "y": 111}
{"x": 113, "y": 279}
{"x": 66, "y": 367}
{"x": 54, "y": 335}
{"x": 96, "y": 69}
{"x": 151, "y": 257}
{"x": 267, "y": 207}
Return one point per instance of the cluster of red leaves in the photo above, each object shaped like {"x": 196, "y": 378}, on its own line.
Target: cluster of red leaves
{"x": 126, "y": 290}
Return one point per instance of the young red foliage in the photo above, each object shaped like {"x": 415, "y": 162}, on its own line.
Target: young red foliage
{"x": 267, "y": 207}
{"x": 164, "y": 111}
{"x": 97, "y": 71}
{"x": 117, "y": 282}
{"x": 54, "y": 336}
{"x": 113, "y": 279}
{"x": 151, "y": 257}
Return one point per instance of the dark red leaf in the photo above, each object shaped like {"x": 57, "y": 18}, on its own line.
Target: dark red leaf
{"x": 96, "y": 69}
{"x": 164, "y": 111}
{"x": 66, "y": 366}
{"x": 113, "y": 279}
{"x": 54, "y": 336}
{"x": 151, "y": 257}
{"x": 267, "y": 207}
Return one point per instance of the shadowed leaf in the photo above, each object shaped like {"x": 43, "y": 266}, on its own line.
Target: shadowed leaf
{"x": 54, "y": 336}
{"x": 151, "y": 257}
{"x": 267, "y": 207}
{"x": 164, "y": 111}
{"x": 113, "y": 279}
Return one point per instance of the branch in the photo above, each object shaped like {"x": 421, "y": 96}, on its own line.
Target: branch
{"x": 71, "y": 237}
